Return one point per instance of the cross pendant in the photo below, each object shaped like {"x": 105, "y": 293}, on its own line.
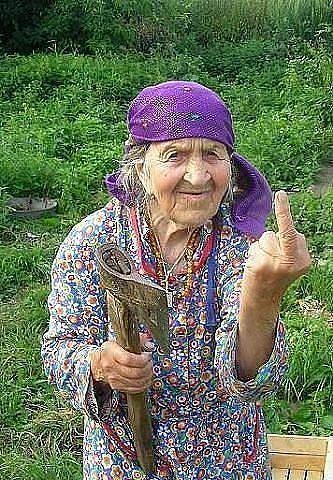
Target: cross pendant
{"x": 169, "y": 299}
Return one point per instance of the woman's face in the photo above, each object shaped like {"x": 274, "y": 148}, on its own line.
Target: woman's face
{"x": 188, "y": 178}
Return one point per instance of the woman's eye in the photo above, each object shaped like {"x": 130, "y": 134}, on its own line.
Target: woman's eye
{"x": 173, "y": 156}
{"x": 212, "y": 155}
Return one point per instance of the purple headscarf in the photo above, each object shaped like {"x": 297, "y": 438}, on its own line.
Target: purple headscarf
{"x": 180, "y": 109}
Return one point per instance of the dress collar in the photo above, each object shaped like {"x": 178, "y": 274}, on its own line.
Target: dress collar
{"x": 208, "y": 233}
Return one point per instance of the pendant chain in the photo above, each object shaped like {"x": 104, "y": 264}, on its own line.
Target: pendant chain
{"x": 162, "y": 272}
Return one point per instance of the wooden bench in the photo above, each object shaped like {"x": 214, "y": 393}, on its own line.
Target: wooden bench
{"x": 295, "y": 457}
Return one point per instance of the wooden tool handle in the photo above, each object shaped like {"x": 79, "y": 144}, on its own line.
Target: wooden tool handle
{"x": 140, "y": 422}
{"x": 127, "y": 336}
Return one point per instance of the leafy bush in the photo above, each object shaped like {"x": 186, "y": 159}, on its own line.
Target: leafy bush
{"x": 304, "y": 404}
{"x": 63, "y": 142}
{"x": 20, "y": 24}
{"x": 167, "y": 25}
{"x": 63, "y": 120}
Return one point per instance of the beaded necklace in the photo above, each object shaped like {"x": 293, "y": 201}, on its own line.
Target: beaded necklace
{"x": 162, "y": 272}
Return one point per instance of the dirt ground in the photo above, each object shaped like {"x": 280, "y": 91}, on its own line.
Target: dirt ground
{"x": 324, "y": 181}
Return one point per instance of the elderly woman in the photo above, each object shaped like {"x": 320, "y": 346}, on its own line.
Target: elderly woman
{"x": 191, "y": 214}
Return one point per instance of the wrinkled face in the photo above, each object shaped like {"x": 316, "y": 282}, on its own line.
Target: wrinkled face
{"x": 188, "y": 178}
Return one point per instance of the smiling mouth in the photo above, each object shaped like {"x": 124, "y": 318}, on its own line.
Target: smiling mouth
{"x": 195, "y": 193}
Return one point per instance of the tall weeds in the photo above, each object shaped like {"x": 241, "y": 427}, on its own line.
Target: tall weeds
{"x": 244, "y": 19}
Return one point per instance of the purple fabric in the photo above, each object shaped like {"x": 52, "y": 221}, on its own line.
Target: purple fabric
{"x": 180, "y": 109}
{"x": 177, "y": 110}
{"x": 250, "y": 211}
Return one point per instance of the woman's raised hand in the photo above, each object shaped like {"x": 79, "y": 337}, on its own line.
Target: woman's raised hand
{"x": 122, "y": 370}
{"x": 276, "y": 259}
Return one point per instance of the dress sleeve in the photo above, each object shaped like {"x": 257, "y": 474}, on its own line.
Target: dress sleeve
{"x": 78, "y": 325}
{"x": 269, "y": 375}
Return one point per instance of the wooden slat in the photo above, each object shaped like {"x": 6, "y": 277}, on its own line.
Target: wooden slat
{"x": 314, "y": 475}
{"x": 280, "y": 473}
{"x": 306, "y": 445}
{"x": 328, "y": 472}
{"x": 297, "y": 475}
{"x": 297, "y": 462}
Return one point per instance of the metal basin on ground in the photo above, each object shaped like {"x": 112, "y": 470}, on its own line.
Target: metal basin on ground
{"x": 27, "y": 207}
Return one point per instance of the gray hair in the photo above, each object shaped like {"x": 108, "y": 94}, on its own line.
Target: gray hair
{"x": 133, "y": 156}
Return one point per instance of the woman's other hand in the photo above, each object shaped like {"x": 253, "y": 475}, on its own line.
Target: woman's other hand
{"x": 122, "y": 370}
{"x": 276, "y": 259}
{"x": 274, "y": 262}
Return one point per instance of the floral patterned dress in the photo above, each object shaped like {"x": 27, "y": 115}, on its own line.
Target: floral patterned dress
{"x": 207, "y": 424}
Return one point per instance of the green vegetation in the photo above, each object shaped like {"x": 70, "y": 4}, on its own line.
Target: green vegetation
{"x": 100, "y": 27}
{"x": 62, "y": 128}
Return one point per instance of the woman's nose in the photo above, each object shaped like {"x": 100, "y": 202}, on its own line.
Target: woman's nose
{"x": 196, "y": 172}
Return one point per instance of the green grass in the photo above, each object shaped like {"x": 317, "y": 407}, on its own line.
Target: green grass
{"x": 37, "y": 427}
{"x": 39, "y": 466}
{"x": 62, "y": 128}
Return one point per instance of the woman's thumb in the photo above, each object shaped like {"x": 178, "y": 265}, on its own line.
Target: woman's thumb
{"x": 146, "y": 342}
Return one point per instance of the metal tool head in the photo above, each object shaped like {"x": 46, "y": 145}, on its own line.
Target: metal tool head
{"x": 145, "y": 300}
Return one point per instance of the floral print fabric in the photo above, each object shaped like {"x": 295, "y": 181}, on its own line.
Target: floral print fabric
{"x": 207, "y": 424}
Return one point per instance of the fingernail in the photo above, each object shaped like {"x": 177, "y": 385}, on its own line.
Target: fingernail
{"x": 149, "y": 346}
